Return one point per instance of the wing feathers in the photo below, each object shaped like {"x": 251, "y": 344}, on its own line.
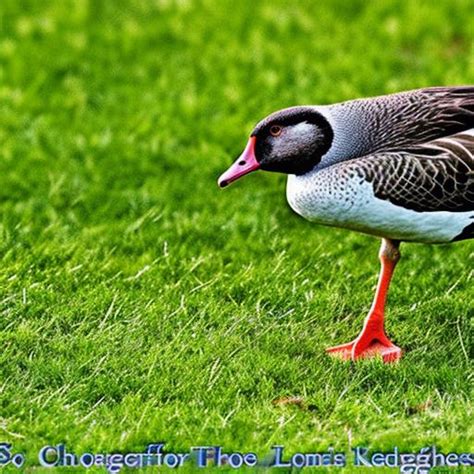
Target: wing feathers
{"x": 438, "y": 176}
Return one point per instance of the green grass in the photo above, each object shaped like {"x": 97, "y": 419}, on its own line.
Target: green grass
{"x": 141, "y": 303}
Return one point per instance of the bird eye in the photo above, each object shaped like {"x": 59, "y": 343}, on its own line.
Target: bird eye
{"x": 275, "y": 130}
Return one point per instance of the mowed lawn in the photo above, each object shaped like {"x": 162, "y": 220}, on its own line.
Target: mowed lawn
{"x": 141, "y": 303}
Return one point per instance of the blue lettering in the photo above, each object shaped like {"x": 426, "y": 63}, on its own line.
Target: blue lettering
{"x": 115, "y": 463}
{"x": 278, "y": 462}
{"x": 452, "y": 459}
{"x": 155, "y": 448}
{"x": 378, "y": 459}
{"x": 202, "y": 455}
{"x": 131, "y": 460}
{"x": 340, "y": 459}
{"x": 171, "y": 460}
{"x": 360, "y": 459}
{"x": 250, "y": 459}
{"x": 87, "y": 459}
{"x": 45, "y": 452}
{"x": 236, "y": 460}
{"x": 5, "y": 453}
{"x": 298, "y": 460}
{"x": 18, "y": 460}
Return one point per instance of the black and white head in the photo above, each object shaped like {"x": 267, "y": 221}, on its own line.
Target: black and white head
{"x": 290, "y": 141}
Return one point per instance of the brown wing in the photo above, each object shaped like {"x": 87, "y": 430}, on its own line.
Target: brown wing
{"x": 394, "y": 121}
{"x": 437, "y": 112}
{"x": 437, "y": 176}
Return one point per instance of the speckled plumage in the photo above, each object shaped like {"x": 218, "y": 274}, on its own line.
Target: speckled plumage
{"x": 400, "y": 166}
{"x": 437, "y": 176}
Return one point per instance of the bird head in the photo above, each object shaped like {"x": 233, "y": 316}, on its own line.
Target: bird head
{"x": 290, "y": 141}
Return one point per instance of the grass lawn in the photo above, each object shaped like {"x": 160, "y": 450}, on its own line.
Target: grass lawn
{"x": 140, "y": 303}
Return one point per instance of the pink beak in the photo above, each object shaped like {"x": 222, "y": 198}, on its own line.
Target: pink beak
{"x": 244, "y": 164}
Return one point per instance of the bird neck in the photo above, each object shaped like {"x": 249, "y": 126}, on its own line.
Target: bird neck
{"x": 365, "y": 126}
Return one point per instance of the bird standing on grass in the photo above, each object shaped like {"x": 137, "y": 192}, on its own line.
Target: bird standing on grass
{"x": 399, "y": 166}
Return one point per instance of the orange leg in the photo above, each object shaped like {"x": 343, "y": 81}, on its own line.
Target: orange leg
{"x": 373, "y": 341}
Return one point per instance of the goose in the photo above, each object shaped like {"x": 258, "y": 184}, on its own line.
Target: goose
{"x": 399, "y": 167}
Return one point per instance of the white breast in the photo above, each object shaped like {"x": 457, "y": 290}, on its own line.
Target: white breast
{"x": 338, "y": 199}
